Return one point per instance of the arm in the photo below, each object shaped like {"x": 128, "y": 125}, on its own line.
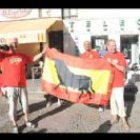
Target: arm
{"x": 121, "y": 68}
{"x": 117, "y": 66}
{"x": 38, "y": 56}
{"x": 5, "y": 52}
{"x": 120, "y": 65}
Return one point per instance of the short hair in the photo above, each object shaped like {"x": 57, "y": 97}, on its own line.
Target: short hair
{"x": 110, "y": 40}
{"x": 86, "y": 42}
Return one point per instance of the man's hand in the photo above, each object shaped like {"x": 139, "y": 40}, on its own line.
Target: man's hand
{"x": 109, "y": 61}
{"x": 112, "y": 62}
{"x": 38, "y": 56}
{"x": 44, "y": 50}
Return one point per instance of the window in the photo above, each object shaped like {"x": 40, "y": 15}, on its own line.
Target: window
{"x": 70, "y": 14}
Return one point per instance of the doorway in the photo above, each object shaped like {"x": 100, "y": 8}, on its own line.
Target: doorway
{"x": 98, "y": 42}
{"x": 127, "y": 42}
{"x": 56, "y": 40}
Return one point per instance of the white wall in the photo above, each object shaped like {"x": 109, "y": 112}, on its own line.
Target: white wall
{"x": 51, "y": 12}
{"x": 69, "y": 44}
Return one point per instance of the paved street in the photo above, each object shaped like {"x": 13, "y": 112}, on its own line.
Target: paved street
{"x": 69, "y": 117}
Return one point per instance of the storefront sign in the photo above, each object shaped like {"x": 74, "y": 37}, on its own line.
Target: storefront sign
{"x": 14, "y": 14}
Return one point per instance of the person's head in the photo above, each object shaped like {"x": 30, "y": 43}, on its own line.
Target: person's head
{"x": 13, "y": 44}
{"x": 87, "y": 45}
{"x": 111, "y": 46}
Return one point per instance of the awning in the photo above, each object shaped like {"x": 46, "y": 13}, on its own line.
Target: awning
{"x": 27, "y": 31}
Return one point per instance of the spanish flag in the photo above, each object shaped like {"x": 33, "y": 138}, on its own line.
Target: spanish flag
{"x": 76, "y": 79}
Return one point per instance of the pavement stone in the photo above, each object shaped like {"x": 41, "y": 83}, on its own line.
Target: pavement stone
{"x": 69, "y": 117}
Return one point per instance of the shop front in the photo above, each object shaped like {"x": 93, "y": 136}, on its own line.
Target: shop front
{"x": 33, "y": 35}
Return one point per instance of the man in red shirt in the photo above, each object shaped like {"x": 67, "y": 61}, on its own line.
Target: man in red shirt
{"x": 14, "y": 81}
{"x": 89, "y": 53}
{"x": 118, "y": 62}
{"x": 3, "y": 50}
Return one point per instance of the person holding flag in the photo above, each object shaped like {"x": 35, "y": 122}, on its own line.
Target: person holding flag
{"x": 118, "y": 62}
{"x": 89, "y": 53}
{"x": 4, "y": 49}
{"x": 14, "y": 81}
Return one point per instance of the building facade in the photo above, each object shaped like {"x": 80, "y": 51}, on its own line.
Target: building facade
{"x": 95, "y": 25}
{"x": 98, "y": 25}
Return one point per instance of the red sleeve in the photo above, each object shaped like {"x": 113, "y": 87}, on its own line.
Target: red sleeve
{"x": 122, "y": 60}
{"x": 27, "y": 59}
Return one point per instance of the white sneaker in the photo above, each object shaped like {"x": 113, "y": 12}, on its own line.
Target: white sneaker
{"x": 58, "y": 102}
{"x": 30, "y": 124}
{"x": 48, "y": 104}
{"x": 15, "y": 129}
{"x": 101, "y": 109}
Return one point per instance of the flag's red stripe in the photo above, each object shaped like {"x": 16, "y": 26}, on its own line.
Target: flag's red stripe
{"x": 99, "y": 64}
{"x": 98, "y": 99}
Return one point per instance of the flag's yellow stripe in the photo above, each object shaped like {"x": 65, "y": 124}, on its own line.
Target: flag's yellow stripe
{"x": 49, "y": 72}
{"x": 100, "y": 78}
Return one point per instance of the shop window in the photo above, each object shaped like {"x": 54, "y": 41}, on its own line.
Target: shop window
{"x": 98, "y": 42}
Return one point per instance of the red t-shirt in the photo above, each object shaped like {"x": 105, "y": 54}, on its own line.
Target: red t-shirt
{"x": 90, "y": 54}
{"x": 13, "y": 69}
{"x": 1, "y": 57}
{"x": 118, "y": 75}
{"x": 0, "y": 83}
